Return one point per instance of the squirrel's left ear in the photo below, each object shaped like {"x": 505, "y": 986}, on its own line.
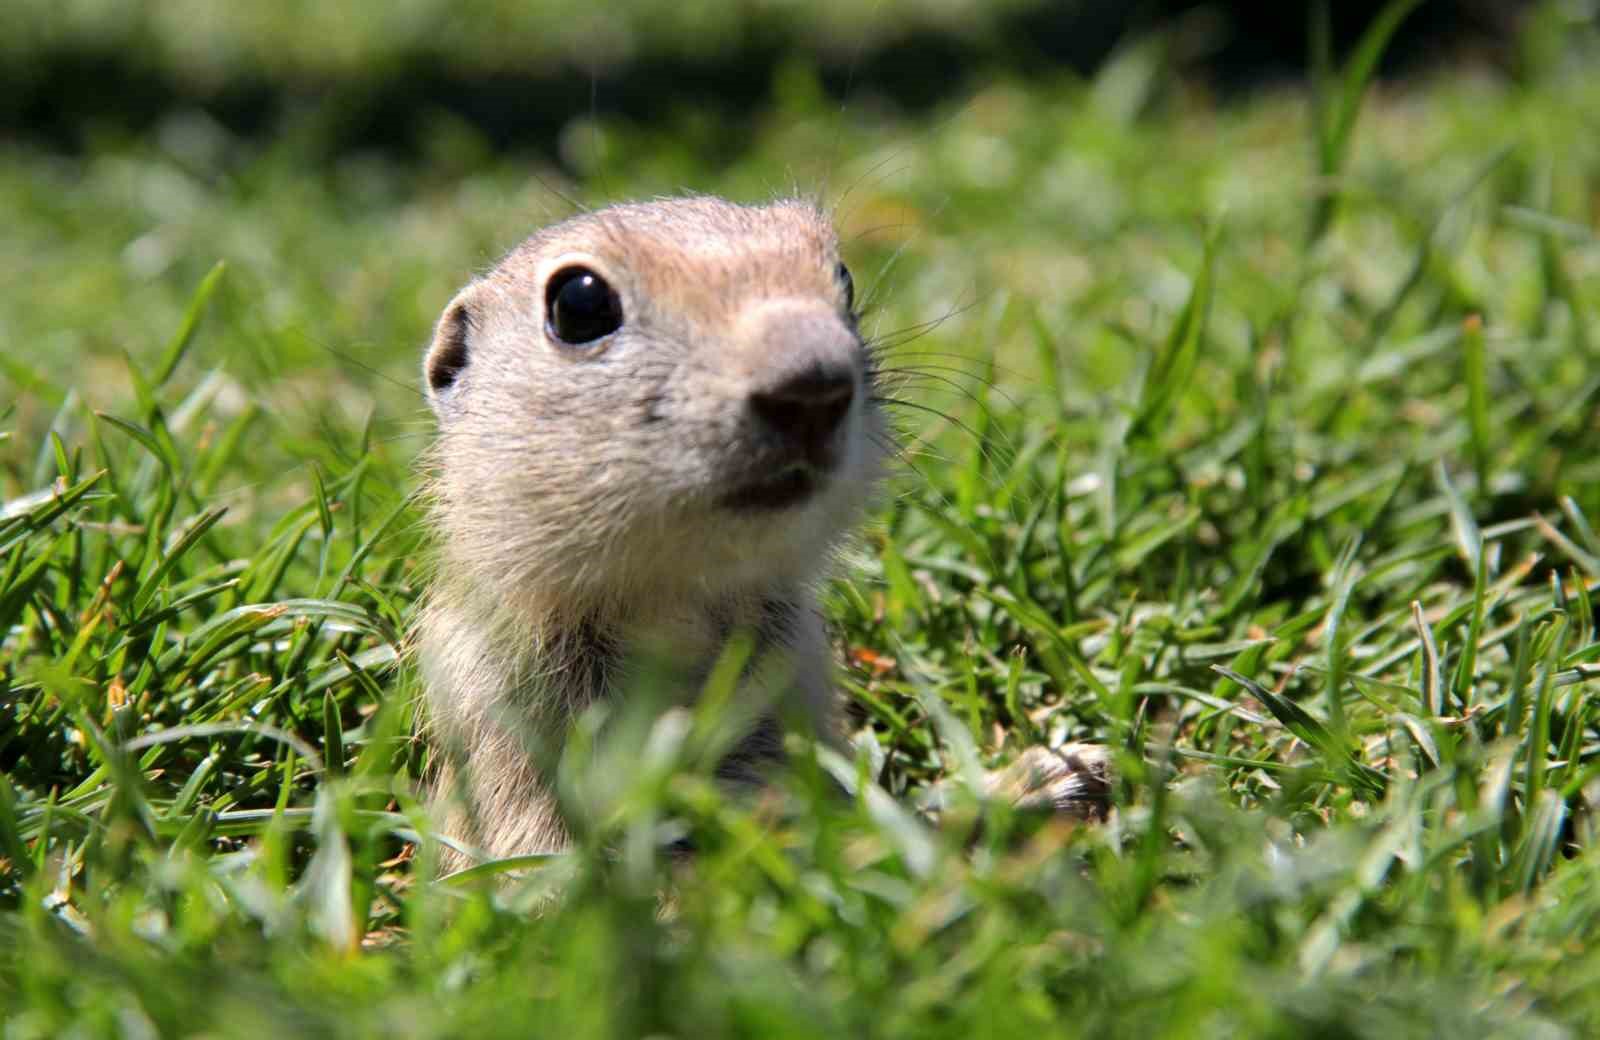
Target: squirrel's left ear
{"x": 450, "y": 353}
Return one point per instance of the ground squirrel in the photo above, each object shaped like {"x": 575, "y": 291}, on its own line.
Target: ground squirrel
{"x": 656, "y": 422}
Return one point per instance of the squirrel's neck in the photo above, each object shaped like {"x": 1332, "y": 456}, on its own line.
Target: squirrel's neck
{"x": 551, "y": 664}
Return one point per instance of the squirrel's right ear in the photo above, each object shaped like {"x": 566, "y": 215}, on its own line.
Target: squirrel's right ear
{"x": 451, "y": 350}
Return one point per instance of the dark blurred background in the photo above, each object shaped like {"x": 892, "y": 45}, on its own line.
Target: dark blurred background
{"x": 382, "y": 76}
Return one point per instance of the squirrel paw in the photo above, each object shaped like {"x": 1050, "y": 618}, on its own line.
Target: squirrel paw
{"x": 1074, "y": 779}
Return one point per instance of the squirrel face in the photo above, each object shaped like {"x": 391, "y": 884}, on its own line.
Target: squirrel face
{"x": 669, "y": 396}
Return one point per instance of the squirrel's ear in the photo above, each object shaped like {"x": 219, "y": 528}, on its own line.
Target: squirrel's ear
{"x": 450, "y": 353}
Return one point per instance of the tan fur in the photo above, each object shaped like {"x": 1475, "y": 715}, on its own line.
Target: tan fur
{"x": 576, "y": 495}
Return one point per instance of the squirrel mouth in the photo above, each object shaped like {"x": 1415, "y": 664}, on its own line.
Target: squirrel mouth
{"x": 790, "y": 486}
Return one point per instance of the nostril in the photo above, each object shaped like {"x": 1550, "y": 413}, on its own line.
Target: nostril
{"x": 814, "y": 385}
{"x": 830, "y": 414}
{"x": 807, "y": 406}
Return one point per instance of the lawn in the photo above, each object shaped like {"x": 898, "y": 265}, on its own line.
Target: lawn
{"x": 1255, "y": 436}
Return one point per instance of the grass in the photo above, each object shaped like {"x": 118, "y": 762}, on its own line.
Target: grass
{"x": 1262, "y": 447}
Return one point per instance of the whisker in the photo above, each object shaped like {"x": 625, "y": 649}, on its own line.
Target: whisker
{"x": 856, "y": 236}
{"x": 880, "y": 279}
{"x": 900, "y": 402}
{"x": 905, "y": 449}
{"x": 349, "y": 359}
{"x": 946, "y": 374}
{"x": 892, "y": 339}
{"x": 838, "y": 126}
{"x": 877, "y": 173}
{"x": 910, "y": 381}
{"x": 947, "y": 355}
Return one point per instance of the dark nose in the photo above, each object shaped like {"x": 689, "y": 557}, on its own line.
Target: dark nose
{"x": 806, "y": 406}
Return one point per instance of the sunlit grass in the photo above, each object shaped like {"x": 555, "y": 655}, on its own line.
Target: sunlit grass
{"x": 1291, "y": 502}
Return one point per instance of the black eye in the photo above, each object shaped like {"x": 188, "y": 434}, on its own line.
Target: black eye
{"x": 843, "y": 274}
{"x": 580, "y": 306}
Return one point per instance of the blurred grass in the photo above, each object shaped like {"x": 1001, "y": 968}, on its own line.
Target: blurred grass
{"x": 1355, "y": 469}
{"x": 212, "y": 43}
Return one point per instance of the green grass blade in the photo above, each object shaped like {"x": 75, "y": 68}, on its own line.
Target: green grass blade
{"x": 1334, "y": 113}
{"x": 1475, "y": 365}
{"x": 172, "y": 557}
{"x": 181, "y": 340}
{"x": 1173, "y": 366}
